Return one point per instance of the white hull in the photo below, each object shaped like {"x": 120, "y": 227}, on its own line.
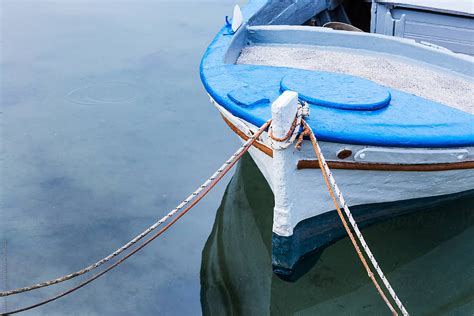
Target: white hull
{"x": 306, "y": 194}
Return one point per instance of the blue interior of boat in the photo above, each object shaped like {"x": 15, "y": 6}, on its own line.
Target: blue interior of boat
{"x": 343, "y": 108}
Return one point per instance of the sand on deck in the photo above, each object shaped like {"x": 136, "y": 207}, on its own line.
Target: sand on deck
{"x": 405, "y": 75}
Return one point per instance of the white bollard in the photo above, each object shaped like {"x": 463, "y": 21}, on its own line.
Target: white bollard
{"x": 284, "y": 110}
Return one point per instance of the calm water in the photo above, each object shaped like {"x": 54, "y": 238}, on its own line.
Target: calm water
{"x": 105, "y": 127}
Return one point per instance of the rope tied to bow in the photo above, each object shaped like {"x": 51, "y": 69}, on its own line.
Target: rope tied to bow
{"x": 177, "y": 212}
{"x": 290, "y": 136}
{"x": 336, "y": 195}
{"x": 294, "y": 134}
{"x": 300, "y": 129}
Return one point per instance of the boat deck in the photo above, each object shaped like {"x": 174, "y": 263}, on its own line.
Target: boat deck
{"x": 345, "y": 108}
{"x": 399, "y": 73}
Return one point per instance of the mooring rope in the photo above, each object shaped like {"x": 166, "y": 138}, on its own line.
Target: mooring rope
{"x": 5, "y": 270}
{"x": 335, "y": 191}
{"x": 195, "y": 197}
{"x": 286, "y": 141}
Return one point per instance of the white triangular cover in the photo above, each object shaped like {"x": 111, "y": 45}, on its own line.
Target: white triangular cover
{"x": 237, "y": 19}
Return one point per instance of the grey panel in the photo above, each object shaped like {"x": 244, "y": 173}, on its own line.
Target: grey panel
{"x": 455, "y": 32}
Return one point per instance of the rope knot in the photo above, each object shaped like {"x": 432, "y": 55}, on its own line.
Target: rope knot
{"x": 306, "y": 132}
{"x": 292, "y": 134}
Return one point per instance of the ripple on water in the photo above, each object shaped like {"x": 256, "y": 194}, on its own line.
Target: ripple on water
{"x": 112, "y": 92}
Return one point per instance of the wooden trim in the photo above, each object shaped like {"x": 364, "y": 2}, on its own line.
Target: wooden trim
{"x": 267, "y": 150}
{"x": 313, "y": 164}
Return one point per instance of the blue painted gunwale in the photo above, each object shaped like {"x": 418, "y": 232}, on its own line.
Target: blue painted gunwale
{"x": 409, "y": 121}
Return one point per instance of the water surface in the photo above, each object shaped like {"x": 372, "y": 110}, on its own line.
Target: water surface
{"x": 106, "y": 127}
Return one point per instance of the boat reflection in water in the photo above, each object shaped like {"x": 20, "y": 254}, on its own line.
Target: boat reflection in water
{"x": 428, "y": 257}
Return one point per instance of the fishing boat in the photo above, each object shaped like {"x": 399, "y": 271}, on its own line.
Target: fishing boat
{"x": 389, "y": 88}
